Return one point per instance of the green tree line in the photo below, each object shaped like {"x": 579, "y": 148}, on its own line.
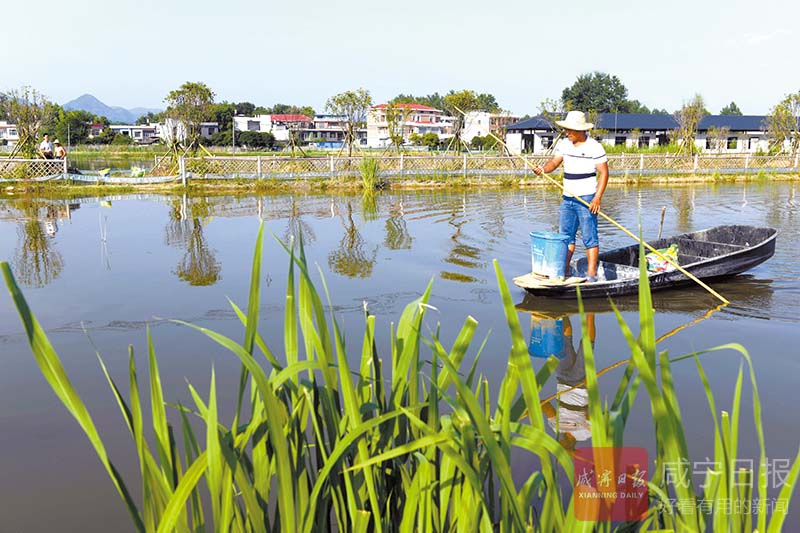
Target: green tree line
{"x": 594, "y": 92}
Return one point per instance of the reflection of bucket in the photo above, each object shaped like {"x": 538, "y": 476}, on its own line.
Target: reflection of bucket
{"x": 547, "y": 338}
{"x": 549, "y": 253}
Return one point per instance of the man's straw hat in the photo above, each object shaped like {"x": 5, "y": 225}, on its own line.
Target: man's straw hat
{"x": 56, "y": 142}
{"x": 576, "y": 120}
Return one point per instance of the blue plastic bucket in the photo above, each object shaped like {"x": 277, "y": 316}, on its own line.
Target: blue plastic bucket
{"x": 549, "y": 253}
{"x": 547, "y": 338}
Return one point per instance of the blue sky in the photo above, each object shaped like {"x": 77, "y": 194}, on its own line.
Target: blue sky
{"x": 133, "y": 53}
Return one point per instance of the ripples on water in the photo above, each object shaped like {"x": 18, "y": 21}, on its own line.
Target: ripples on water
{"x": 111, "y": 265}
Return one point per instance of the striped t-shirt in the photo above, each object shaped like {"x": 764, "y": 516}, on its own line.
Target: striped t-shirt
{"x": 580, "y": 165}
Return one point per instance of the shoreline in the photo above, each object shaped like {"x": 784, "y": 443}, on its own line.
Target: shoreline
{"x": 56, "y": 189}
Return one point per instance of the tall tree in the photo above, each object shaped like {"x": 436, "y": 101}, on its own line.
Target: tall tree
{"x": 688, "y": 117}
{"x": 286, "y": 109}
{"x": 731, "y": 109}
{"x": 596, "y": 91}
{"x": 434, "y": 100}
{"x": 396, "y": 116}
{"x": 783, "y": 122}
{"x": 3, "y": 110}
{"x": 353, "y": 107}
{"x": 148, "y": 118}
{"x": 72, "y": 127}
{"x": 635, "y": 106}
{"x": 717, "y": 138}
{"x": 551, "y": 110}
{"x": 457, "y": 104}
{"x": 223, "y": 115}
{"x": 245, "y": 108}
{"x": 487, "y": 102}
{"x": 191, "y": 105}
{"x": 33, "y": 115}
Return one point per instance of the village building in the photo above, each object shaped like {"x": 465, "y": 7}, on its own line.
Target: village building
{"x": 284, "y": 124}
{"x": 328, "y": 131}
{"x": 172, "y": 129}
{"x": 715, "y": 133}
{"x": 260, "y": 123}
{"x": 412, "y": 119}
{"x": 95, "y": 130}
{"x": 279, "y": 125}
{"x": 8, "y": 133}
{"x": 732, "y": 133}
{"x": 140, "y": 133}
{"x": 482, "y": 123}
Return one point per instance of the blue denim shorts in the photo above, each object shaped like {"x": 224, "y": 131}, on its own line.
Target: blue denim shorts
{"x": 574, "y": 214}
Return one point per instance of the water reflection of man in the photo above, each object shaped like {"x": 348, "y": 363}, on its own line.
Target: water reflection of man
{"x": 571, "y": 417}
{"x": 51, "y": 221}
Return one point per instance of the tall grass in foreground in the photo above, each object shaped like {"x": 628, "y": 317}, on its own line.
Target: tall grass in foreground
{"x": 405, "y": 442}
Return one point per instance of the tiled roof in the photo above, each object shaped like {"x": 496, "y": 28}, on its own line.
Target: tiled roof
{"x": 733, "y": 122}
{"x": 632, "y": 121}
{"x": 643, "y": 121}
{"x": 533, "y": 123}
{"x": 291, "y": 118}
{"x": 418, "y": 107}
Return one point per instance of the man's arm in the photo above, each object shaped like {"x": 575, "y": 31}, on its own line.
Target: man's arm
{"x": 602, "y": 182}
{"x": 549, "y": 166}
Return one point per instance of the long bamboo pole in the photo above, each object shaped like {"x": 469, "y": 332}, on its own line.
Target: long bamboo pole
{"x": 624, "y": 229}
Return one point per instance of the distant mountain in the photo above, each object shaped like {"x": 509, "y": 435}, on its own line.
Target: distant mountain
{"x": 117, "y": 115}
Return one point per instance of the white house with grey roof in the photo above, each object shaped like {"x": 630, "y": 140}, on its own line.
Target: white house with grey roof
{"x": 715, "y": 133}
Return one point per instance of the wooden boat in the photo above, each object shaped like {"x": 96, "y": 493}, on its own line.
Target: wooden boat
{"x": 708, "y": 254}
{"x": 749, "y": 295}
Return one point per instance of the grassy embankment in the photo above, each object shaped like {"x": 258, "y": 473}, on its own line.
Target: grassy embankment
{"x": 369, "y": 177}
{"x": 59, "y": 189}
{"x": 411, "y": 440}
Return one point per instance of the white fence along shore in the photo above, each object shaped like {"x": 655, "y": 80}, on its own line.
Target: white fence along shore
{"x": 395, "y": 166}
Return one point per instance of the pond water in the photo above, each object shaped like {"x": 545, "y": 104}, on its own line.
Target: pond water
{"x": 113, "y": 265}
{"x": 118, "y": 163}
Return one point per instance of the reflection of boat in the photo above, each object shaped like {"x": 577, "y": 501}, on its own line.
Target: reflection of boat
{"x": 709, "y": 254}
{"x": 745, "y": 292}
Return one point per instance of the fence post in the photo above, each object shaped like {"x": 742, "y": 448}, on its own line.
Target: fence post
{"x": 66, "y": 168}
{"x": 695, "y": 163}
{"x": 258, "y": 164}
{"x": 330, "y": 164}
{"x": 464, "y": 167}
{"x": 796, "y": 160}
{"x": 402, "y": 164}
{"x": 641, "y": 163}
{"x": 747, "y": 161}
{"x": 623, "y": 163}
{"x": 182, "y": 167}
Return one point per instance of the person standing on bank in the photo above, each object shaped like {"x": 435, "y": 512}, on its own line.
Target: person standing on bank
{"x": 585, "y": 176}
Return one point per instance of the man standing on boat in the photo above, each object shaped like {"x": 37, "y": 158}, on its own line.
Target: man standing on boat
{"x": 585, "y": 177}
